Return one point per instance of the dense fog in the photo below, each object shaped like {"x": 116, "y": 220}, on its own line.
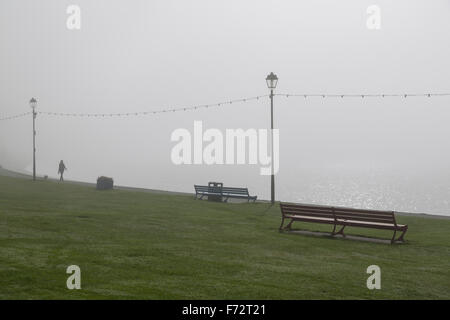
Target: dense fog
{"x": 133, "y": 56}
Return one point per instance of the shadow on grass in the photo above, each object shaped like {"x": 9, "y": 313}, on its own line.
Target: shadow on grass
{"x": 354, "y": 237}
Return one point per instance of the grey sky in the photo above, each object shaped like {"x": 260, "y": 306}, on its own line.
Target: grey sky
{"x": 145, "y": 55}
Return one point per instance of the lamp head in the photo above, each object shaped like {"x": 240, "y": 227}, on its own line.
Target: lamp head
{"x": 33, "y": 103}
{"x": 272, "y": 81}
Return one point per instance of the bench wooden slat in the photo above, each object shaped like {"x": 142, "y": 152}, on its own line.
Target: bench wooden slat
{"x": 304, "y": 213}
{"x": 311, "y": 219}
{"x": 363, "y": 211}
{"x": 309, "y": 211}
{"x": 390, "y": 220}
{"x": 364, "y": 214}
{"x": 232, "y": 192}
{"x": 306, "y": 207}
{"x": 375, "y": 225}
{"x": 309, "y": 208}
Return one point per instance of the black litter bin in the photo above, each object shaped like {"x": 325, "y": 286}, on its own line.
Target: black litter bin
{"x": 105, "y": 183}
{"x": 215, "y": 187}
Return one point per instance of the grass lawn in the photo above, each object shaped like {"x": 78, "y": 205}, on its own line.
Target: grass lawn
{"x": 139, "y": 245}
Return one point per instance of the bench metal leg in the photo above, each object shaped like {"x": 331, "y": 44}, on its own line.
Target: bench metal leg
{"x": 334, "y": 229}
{"x": 393, "y": 237}
{"x": 341, "y": 231}
{"x": 288, "y": 227}
{"x": 401, "y": 236}
{"x": 281, "y": 226}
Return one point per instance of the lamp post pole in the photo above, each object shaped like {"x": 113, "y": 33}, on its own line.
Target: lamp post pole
{"x": 272, "y": 181}
{"x": 272, "y": 81}
{"x": 33, "y": 104}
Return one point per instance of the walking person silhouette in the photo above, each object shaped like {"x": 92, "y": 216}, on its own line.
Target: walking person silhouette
{"x": 62, "y": 168}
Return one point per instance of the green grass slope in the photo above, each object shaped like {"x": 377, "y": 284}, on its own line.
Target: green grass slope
{"x": 138, "y": 245}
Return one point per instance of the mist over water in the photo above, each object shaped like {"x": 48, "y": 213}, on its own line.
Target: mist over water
{"x": 380, "y": 153}
{"x": 382, "y": 190}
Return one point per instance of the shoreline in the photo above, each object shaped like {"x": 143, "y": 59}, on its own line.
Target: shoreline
{"x": 15, "y": 174}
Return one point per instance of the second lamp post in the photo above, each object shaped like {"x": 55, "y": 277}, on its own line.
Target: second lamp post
{"x": 272, "y": 81}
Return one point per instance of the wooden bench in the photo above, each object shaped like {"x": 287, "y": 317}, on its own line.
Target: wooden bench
{"x": 226, "y": 192}
{"x": 239, "y": 193}
{"x": 341, "y": 217}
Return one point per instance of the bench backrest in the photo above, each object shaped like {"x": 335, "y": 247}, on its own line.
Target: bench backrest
{"x": 339, "y": 213}
{"x": 208, "y": 189}
{"x": 365, "y": 215}
{"x": 232, "y": 190}
{"x": 306, "y": 210}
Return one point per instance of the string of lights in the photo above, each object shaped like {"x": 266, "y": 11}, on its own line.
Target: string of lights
{"x": 225, "y": 103}
{"x": 143, "y": 113}
{"x": 405, "y": 95}
{"x": 14, "y": 116}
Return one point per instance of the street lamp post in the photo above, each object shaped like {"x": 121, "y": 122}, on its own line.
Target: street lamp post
{"x": 272, "y": 81}
{"x": 33, "y": 104}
